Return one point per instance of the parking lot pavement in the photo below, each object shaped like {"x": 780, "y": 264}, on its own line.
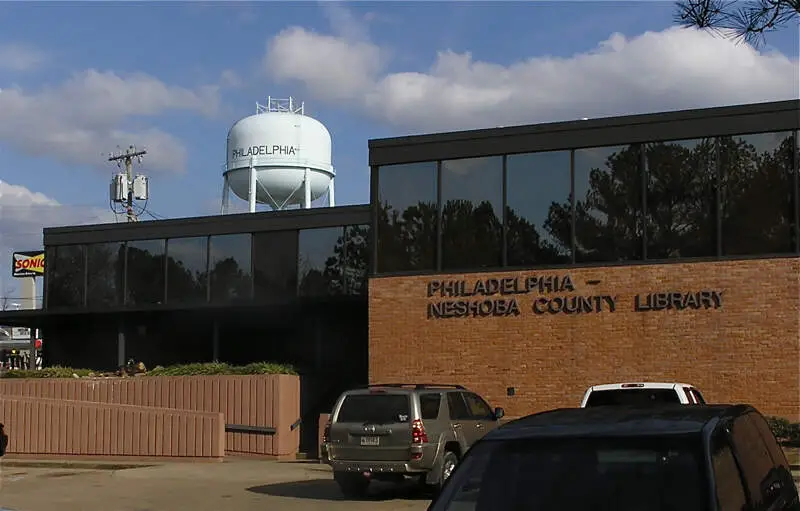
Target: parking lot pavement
{"x": 236, "y": 485}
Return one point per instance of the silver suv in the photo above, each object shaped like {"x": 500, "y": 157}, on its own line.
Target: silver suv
{"x": 393, "y": 432}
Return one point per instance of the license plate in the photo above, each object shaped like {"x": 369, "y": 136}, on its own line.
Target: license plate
{"x": 370, "y": 440}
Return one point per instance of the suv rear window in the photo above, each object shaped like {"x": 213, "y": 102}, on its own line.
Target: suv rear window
{"x": 374, "y": 408}
{"x": 632, "y": 397}
{"x": 660, "y": 474}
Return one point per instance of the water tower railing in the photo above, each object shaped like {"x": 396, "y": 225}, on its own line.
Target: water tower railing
{"x": 281, "y": 105}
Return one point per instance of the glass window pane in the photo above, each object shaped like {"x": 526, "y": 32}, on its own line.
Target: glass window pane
{"x": 231, "y": 280}
{"x": 187, "y": 270}
{"x": 681, "y": 199}
{"x": 472, "y": 206}
{"x": 538, "y": 209}
{"x": 320, "y": 261}
{"x": 104, "y": 284}
{"x": 608, "y": 204}
{"x": 145, "y": 269}
{"x": 65, "y": 273}
{"x": 275, "y": 265}
{"x": 356, "y": 259}
{"x": 407, "y": 217}
{"x": 757, "y": 181}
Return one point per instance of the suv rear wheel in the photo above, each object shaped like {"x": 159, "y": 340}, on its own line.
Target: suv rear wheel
{"x": 353, "y": 486}
{"x": 449, "y": 463}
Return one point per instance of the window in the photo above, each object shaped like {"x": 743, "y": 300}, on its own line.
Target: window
{"x": 145, "y": 272}
{"x": 632, "y": 397}
{"x": 374, "y": 408}
{"x": 231, "y": 280}
{"x": 608, "y": 204}
{"x": 356, "y": 255}
{"x": 321, "y": 261}
{"x": 65, "y": 276}
{"x": 104, "y": 282}
{"x": 775, "y": 451}
{"x": 663, "y": 473}
{"x": 757, "y": 194}
{"x": 429, "y": 406}
{"x": 681, "y": 199}
{"x": 457, "y": 407}
{"x": 472, "y": 207}
{"x": 538, "y": 209}
{"x": 187, "y": 270}
{"x": 730, "y": 492}
{"x": 478, "y": 409}
{"x": 407, "y": 212}
{"x": 275, "y": 265}
{"x": 753, "y": 457}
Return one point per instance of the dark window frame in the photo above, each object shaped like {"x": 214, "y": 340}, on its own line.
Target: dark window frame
{"x": 643, "y": 181}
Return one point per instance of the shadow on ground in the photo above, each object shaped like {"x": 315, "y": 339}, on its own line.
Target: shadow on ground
{"x": 325, "y": 489}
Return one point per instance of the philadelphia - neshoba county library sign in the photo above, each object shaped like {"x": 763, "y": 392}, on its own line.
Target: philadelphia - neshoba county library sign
{"x": 554, "y": 294}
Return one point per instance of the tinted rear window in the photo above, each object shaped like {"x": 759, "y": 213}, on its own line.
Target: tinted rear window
{"x": 632, "y": 397}
{"x": 375, "y": 408}
{"x": 555, "y": 474}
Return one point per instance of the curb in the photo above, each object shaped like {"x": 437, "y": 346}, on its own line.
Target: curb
{"x": 84, "y": 465}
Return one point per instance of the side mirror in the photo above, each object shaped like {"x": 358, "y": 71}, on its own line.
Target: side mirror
{"x": 499, "y": 413}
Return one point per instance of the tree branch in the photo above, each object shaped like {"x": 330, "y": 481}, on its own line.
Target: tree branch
{"x": 745, "y": 21}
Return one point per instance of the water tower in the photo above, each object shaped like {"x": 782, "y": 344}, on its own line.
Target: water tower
{"x": 279, "y": 157}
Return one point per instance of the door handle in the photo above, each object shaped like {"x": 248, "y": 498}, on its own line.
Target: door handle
{"x": 456, "y": 425}
{"x": 478, "y": 426}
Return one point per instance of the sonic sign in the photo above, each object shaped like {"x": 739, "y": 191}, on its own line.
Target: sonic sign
{"x": 28, "y": 264}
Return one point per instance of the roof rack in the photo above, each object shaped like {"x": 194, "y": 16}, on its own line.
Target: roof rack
{"x": 417, "y": 386}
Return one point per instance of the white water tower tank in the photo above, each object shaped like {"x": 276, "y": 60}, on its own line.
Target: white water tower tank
{"x": 279, "y": 157}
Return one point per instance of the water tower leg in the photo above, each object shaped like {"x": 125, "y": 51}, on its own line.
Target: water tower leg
{"x": 226, "y": 194}
{"x": 307, "y": 189}
{"x": 331, "y": 196}
{"x": 251, "y": 190}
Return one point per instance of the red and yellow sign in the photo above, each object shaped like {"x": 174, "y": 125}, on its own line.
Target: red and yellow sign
{"x": 28, "y": 264}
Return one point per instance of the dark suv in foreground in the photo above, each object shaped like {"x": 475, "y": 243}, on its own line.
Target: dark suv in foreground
{"x": 393, "y": 432}
{"x": 670, "y": 458}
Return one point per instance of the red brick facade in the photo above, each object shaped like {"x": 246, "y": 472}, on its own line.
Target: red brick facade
{"x": 730, "y": 328}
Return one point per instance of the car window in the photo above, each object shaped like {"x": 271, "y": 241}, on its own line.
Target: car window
{"x": 753, "y": 457}
{"x": 632, "y": 397}
{"x": 778, "y": 457}
{"x": 557, "y": 474}
{"x": 457, "y": 407}
{"x": 377, "y": 408}
{"x": 478, "y": 409}
{"x": 698, "y": 396}
{"x": 429, "y": 405}
{"x": 728, "y": 480}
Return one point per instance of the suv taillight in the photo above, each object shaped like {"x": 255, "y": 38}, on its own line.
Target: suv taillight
{"x": 418, "y": 434}
{"x": 326, "y": 434}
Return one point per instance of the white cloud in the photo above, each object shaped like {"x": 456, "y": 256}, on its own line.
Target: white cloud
{"x": 655, "y": 71}
{"x": 82, "y": 119}
{"x": 20, "y": 57}
{"x": 23, "y": 215}
{"x": 332, "y": 68}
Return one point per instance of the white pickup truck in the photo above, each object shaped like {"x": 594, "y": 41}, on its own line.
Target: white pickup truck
{"x": 641, "y": 393}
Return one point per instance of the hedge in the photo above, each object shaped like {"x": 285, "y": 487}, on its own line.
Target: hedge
{"x": 213, "y": 368}
{"x": 787, "y": 433}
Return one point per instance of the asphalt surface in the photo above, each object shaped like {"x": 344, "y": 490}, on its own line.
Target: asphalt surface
{"x": 236, "y": 485}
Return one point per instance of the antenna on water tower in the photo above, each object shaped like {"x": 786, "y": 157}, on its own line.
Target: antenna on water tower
{"x": 125, "y": 188}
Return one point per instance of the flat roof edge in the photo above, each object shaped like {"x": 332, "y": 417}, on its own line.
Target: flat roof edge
{"x": 646, "y": 118}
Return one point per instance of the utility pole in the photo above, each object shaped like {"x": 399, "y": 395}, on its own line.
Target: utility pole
{"x": 127, "y": 158}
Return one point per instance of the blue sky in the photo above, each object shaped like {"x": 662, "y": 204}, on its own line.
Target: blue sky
{"x": 364, "y": 69}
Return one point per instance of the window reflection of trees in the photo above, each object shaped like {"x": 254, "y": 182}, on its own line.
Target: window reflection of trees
{"x": 145, "y": 272}
{"x": 105, "y": 280}
{"x": 187, "y": 270}
{"x": 334, "y": 261}
{"x": 407, "y": 215}
{"x": 744, "y": 184}
{"x": 64, "y": 265}
{"x": 231, "y": 279}
{"x": 472, "y": 205}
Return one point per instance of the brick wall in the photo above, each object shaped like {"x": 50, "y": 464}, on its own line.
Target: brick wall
{"x": 746, "y": 350}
